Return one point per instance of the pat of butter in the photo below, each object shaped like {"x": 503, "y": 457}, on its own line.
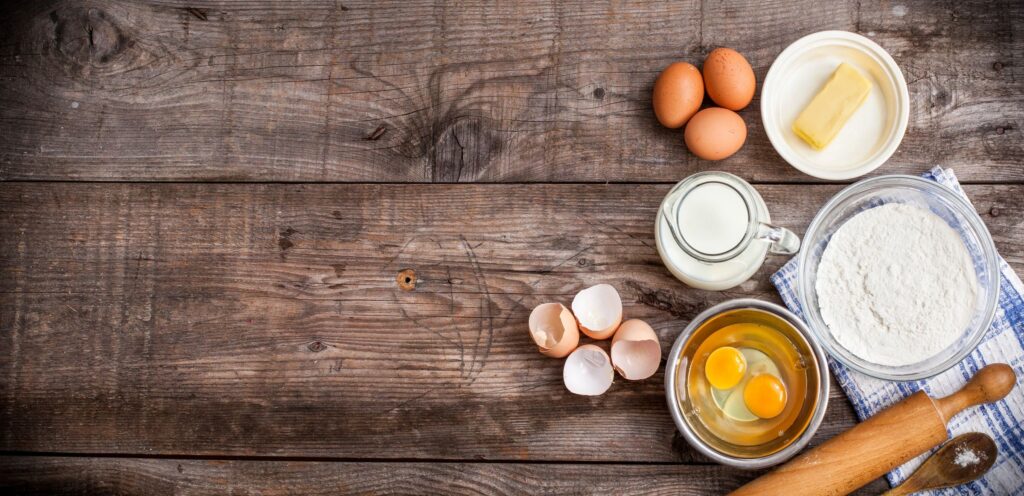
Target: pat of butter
{"x": 828, "y": 112}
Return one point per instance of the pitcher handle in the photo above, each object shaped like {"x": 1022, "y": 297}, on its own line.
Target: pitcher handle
{"x": 781, "y": 241}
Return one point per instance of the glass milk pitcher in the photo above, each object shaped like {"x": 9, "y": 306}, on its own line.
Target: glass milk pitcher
{"x": 713, "y": 231}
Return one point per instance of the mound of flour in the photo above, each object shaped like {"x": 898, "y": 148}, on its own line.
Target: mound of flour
{"x": 896, "y": 285}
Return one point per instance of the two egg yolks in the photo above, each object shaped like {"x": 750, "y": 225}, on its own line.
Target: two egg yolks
{"x": 764, "y": 394}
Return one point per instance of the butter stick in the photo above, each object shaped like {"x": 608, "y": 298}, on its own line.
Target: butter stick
{"x": 843, "y": 94}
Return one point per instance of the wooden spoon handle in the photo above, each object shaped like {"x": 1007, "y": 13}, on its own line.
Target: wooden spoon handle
{"x": 909, "y": 486}
{"x": 991, "y": 383}
{"x": 901, "y": 490}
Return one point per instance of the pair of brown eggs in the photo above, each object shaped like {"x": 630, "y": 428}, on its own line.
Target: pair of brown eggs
{"x": 715, "y": 132}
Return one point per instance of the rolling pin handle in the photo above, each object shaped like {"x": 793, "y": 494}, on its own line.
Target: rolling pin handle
{"x": 991, "y": 383}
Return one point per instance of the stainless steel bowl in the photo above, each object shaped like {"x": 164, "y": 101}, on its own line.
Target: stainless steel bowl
{"x": 675, "y": 386}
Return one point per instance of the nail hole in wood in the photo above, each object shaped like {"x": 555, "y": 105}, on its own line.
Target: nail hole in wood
{"x": 406, "y": 279}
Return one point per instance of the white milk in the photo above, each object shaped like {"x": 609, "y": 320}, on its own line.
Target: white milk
{"x": 713, "y": 218}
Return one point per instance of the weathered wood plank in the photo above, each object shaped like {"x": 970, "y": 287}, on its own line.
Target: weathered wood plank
{"x": 130, "y": 476}
{"x": 266, "y": 319}
{"x": 457, "y": 91}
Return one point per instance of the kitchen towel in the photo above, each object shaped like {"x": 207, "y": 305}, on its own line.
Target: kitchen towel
{"x": 1004, "y": 342}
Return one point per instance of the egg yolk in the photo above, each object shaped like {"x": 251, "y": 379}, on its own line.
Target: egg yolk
{"x": 765, "y": 396}
{"x": 725, "y": 367}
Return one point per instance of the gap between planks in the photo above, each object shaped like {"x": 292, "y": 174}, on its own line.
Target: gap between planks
{"x": 341, "y": 459}
{"x": 815, "y": 182}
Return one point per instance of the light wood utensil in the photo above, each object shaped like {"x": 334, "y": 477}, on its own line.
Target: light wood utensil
{"x": 870, "y": 449}
{"x": 941, "y": 469}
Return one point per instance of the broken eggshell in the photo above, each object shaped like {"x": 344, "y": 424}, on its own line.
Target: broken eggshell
{"x": 598, "y": 311}
{"x": 636, "y": 353}
{"x": 553, "y": 328}
{"x": 588, "y": 371}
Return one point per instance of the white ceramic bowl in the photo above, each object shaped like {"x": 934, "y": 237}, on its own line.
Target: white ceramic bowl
{"x": 871, "y": 135}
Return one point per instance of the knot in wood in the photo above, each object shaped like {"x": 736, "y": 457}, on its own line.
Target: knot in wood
{"x": 406, "y": 279}
{"x": 994, "y": 212}
{"x": 86, "y": 37}
{"x": 316, "y": 346}
{"x": 377, "y": 133}
{"x": 463, "y": 149}
{"x": 197, "y": 13}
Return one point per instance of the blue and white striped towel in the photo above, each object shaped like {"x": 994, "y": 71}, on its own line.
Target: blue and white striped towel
{"x": 1004, "y": 342}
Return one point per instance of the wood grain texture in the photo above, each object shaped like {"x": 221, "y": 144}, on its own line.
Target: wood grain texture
{"x": 381, "y": 328}
{"x": 267, "y": 319}
{"x": 418, "y": 91}
{"x": 136, "y": 476}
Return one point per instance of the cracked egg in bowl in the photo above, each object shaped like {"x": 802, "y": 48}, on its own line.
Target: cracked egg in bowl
{"x": 746, "y": 385}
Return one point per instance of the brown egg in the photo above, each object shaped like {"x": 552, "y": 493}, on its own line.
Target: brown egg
{"x": 678, "y": 92}
{"x": 729, "y": 78}
{"x": 715, "y": 133}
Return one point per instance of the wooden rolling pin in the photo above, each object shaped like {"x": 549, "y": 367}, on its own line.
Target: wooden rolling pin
{"x": 883, "y": 442}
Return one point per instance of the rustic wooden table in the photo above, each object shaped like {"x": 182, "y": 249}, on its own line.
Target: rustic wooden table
{"x": 206, "y": 206}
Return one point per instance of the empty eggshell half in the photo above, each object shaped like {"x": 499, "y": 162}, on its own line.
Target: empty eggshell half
{"x": 588, "y": 371}
{"x": 598, "y": 310}
{"x": 636, "y": 353}
{"x": 553, "y": 328}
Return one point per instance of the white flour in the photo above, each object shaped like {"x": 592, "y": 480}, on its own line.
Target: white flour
{"x": 896, "y": 285}
{"x": 966, "y": 456}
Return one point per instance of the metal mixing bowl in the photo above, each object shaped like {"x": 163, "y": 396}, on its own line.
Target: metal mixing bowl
{"x": 679, "y": 359}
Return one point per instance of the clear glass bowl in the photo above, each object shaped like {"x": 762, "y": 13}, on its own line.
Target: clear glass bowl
{"x": 926, "y": 194}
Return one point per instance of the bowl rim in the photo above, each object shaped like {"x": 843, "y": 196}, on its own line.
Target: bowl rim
{"x": 769, "y": 93}
{"x": 824, "y": 388}
{"x": 963, "y": 208}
